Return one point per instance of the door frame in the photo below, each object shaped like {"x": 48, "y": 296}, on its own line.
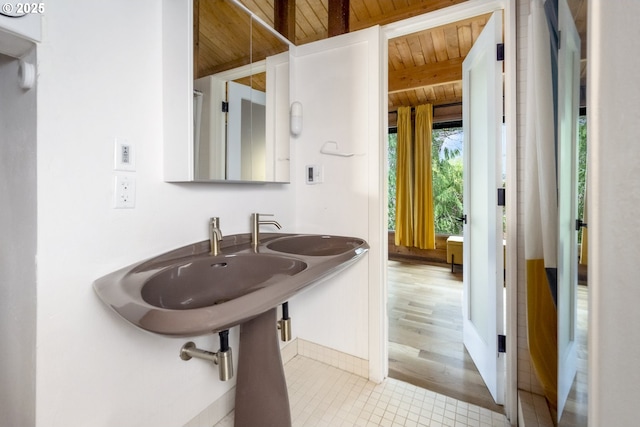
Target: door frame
{"x": 378, "y": 348}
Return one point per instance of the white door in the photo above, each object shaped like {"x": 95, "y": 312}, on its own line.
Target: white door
{"x": 483, "y": 280}
{"x": 246, "y": 144}
{"x": 568, "y": 105}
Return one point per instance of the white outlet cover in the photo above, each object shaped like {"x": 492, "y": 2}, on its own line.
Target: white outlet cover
{"x": 124, "y": 191}
{"x": 124, "y": 155}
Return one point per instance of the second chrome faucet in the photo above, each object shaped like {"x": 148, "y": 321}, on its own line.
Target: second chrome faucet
{"x": 256, "y": 222}
{"x": 215, "y": 235}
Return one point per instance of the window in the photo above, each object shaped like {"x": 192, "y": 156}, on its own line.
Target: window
{"x": 447, "y": 177}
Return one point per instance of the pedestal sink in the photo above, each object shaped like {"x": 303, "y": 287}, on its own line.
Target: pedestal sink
{"x": 187, "y": 292}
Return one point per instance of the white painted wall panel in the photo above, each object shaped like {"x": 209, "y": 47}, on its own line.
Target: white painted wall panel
{"x": 337, "y": 82}
{"x": 100, "y": 77}
{"x": 17, "y": 247}
{"x": 614, "y": 199}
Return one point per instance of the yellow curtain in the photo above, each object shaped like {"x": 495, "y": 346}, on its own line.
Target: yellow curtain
{"x": 404, "y": 180}
{"x": 424, "y": 228}
{"x": 542, "y": 321}
{"x": 584, "y": 247}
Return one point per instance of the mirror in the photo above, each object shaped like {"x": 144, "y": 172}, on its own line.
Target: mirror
{"x": 241, "y": 96}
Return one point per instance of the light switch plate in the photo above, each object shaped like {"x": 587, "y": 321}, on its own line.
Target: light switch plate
{"x": 124, "y": 155}
{"x": 313, "y": 174}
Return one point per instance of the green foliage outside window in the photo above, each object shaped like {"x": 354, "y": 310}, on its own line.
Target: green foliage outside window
{"x": 391, "y": 179}
{"x": 446, "y": 162}
{"x": 582, "y": 166}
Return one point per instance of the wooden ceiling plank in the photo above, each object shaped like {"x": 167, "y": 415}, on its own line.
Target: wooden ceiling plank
{"x": 373, "y": 6}
{"x": 312, "y": 21}
{"x": 399, "y": 4}
{"x": 439, "y": 92}
{"x": 439, "y": 44}
{"x": 449, "y": 91}
{"x": 451, "y": 40}
{"x": 414, "y": 98}
{"x": 358, "y": 11}
{"x": 262, "y": 8}
{"x": 387, "y": 7}
{"x": 476, "y": 28}
{"x": 416, "y": 51}
{"x": 405, "y": 60}
{"x": 457, "y": 86}
{"x": 465, "y": 40}
{"x": 395, "y": 58}
{"x": 215, "y": 18}
{"x": 428, "y": 50}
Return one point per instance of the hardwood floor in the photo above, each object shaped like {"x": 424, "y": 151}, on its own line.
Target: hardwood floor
{"x": 575, "y": 410}
{"x": 425, "y": 338}
{"x": 425, "y": 332}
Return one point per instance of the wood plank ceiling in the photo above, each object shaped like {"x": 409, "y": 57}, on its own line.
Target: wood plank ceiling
{"x": 423, "y": 67}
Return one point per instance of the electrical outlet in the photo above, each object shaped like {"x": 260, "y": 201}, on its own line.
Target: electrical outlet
{"x": 124, "y": 155}
{"x": 125, "y": 192}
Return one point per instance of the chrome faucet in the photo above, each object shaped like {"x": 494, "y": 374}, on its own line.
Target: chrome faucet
{"x": 215, "y": 235}
{"x": 255, "y": 227}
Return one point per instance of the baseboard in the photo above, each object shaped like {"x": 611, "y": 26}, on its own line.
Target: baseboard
{"x": 212, "y": 414}
{"x": 335, "y": 358}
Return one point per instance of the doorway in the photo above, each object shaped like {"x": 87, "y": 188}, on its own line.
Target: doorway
{"x": 466, "y": 13}
{"x": 424, "y": 295}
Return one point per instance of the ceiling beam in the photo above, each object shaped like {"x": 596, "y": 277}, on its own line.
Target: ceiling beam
{"x": 425, "y": 75}
{"x": 284, "y": 12}
{"x": 338, "y": 17}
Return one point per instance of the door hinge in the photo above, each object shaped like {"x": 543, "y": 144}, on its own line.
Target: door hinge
{"x": 225, "y": 107}
{"x": 501, "y": 197}
{"x": 500, "y": 52}
{"x": 502, "y": 343}
{"x": 559, "y": 39}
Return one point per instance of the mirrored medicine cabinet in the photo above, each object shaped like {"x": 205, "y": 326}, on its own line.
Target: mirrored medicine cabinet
{"x": 238, "y": 115}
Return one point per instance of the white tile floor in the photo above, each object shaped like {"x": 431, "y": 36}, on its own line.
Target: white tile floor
{"x": 321, "y": 395}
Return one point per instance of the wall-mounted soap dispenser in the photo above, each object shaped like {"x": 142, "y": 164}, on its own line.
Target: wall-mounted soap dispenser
{"x": 296, "y": 118}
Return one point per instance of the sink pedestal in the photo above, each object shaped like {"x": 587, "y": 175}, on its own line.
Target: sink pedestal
{"x": 262, "y": 398}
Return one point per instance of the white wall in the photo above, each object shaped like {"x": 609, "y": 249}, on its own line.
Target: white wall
{"x": 17, "y": 247}
{"x": 100, "y": 78}
{"x": 614, "y": 201}
{"x": 337, "y": 82}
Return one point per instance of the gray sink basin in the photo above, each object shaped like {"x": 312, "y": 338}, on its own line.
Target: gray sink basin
{"x": 187, "y": 292}
{"x": 209, "y": 281}
{"x": 315, "y": 245}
